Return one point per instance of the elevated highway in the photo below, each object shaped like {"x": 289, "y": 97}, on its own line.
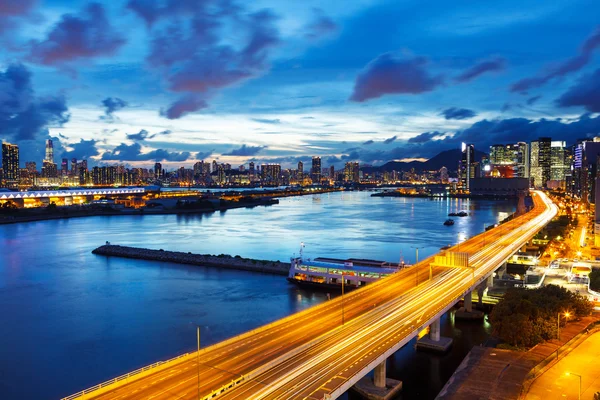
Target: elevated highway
{"x": 321, "y": 352}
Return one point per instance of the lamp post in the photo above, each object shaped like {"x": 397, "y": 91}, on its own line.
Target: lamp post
{"x": 567, "y": 315}
{"x": 417, "y": 261}
{"x": 579, "y": 376}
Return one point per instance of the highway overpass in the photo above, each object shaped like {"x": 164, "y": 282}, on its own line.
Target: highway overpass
{"x": 321, "y": 352}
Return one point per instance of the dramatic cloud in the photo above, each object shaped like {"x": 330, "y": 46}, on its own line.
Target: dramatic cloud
{"x": 201, "y": 155}
{"x": 191, "y": 55}
{"x": 11, "y": 11}
{"x": 76, "y": 37}
{"x": 82, "y": 150}
{"x": 111, "y": 105}
{"x": 425, "y": 137}
{"x": 368, "y": 142}
{"x": 390, "y": 140}
{"x": 497, "y": 64}
{"x": 245, "y": 151}
{"x": 585, "y": 93}
{"x": 133, "y": 152}
{"x": 389, "y": 74}
{"x": 22, "y": 114}
{"x": 573, "y": 64}
{"x": 458, "y": 113}
{"x": 321, "y": 26}
{"x": 267, "y": 121}
{"x": 184, "y": 106}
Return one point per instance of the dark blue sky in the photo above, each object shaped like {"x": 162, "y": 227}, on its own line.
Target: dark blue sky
{"x": 138, "y": 81}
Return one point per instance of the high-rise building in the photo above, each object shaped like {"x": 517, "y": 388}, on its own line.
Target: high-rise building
{"x": 10, "y": 165}
{"x": 351, "y": 172}
{"x": 300, "y": 169}
{"x": 559, "y": 166}
{"x": 584, "y": 169}
{"x": 74, "y": 171}
{"x": 332, "y": 174}
{"x": 270, "y": 174}
{"x": 467, "y": 165}
{"x": 444, "y": 177}
{"x": 49, "y": 152}
{"x": 31, "y": 167}
{"x": 315, "y": 171}
{"x": 540, "y": 161}
{"x": 64, "y": 167}
{"x": 158, "y": 172}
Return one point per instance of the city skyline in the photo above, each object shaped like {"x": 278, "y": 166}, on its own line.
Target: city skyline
{"x": 279, "y": 85}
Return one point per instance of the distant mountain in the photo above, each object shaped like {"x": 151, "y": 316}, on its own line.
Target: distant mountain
{"x": 448, "y": 159}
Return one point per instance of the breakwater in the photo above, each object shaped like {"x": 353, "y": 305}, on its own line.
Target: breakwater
{"x": 206, "y": 260}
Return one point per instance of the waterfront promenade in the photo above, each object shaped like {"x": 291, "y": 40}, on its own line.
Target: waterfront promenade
{"x": 281, "y": 359}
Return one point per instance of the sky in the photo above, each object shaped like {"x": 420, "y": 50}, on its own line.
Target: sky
{"x": 134, "y": 82}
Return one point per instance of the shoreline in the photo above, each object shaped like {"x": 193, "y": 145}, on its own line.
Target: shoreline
{"x": 204, "y": 260}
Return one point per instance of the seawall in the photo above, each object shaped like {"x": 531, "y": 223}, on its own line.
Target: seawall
{"x": 206, "y": 260}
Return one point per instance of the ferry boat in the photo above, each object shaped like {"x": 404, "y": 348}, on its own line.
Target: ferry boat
{"x": 449, "y": 222}
{"x": 327, "y": 273}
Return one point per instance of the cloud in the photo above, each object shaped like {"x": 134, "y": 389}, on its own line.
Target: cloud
{"x": 22, "y": 114}
{"x": 133, "y": 152}
{"x": 389, "y": 74}
{"x": 141, "y": 135}
{"x": 458, "y": 113}
{"x": 245, "y": 151}
{"x": 82, "y": 150}
{"x": 368, "y": 142}
{"x": 390, "y": 140}
{"x": 201, "y": 155}
{"x": 532, "y": 100}
{"x": 184, "y": 106}
{"x": 567, "y": 67}
{"x": 321, "y": 26}
{"x": 496, "y": 64}
{"x": 425, "y": 137}
{"x": 585, "y": 93}
{"x": 110, "y": 106}
{"x": 12, "y": 13}
{"x": 267, "y": 121}
{"x": 188, "y": 48}
{"x": 77, "y": 37}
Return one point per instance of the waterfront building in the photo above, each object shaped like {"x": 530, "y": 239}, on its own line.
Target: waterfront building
{"x": 10, "y": 165}
{"x": 540, "y": 161}
{"x": 64, "y": 167}
{"x": 74, "y": 170}
{"x": 315, "y": 172}
{"x": 467, "y": 165}
{"x": 559, "y": 164}
{"x": 444, "y": 177}
{"x": 332, "y": 174}
{"x": 49, "y": 170}
{"x": 351, "y": 172}
{"x": 300, "y": 170}
{"x": 270, "y": 174}
{"x": 509, "y": 160}
{"x": 31, "y": 167}
{"x": 158, "y": 171}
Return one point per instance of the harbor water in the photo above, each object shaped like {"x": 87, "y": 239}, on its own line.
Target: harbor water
{"x": 70, "y": 319}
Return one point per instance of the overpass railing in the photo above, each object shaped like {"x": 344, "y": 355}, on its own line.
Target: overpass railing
{"x": 123, "y": 377}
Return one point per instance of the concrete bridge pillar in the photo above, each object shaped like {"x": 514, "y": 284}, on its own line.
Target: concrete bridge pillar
{"x": 466, "y": 311}
{"x": 490, "y": 281}
{"x": 379, "y": 375}
{"x": 469, "y": 302}
{"x": 434, "y": 341}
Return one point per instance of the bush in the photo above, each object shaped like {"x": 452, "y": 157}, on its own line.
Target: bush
{"x": 525, "y": 317}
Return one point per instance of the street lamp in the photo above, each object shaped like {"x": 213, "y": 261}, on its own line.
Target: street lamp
{"x": 567, "y": 315}
{"x": 579, "y": 376}
{"x": 417, "y": 262}
{"x": 198, "y": 355}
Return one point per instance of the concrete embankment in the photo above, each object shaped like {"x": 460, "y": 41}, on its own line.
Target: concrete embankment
{"x": 207, "y": 260}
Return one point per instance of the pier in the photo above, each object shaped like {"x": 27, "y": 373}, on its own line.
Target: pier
{"x": 206, "y": 260}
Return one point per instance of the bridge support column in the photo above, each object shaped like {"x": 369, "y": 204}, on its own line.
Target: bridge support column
{"x": 434, "y": 341}
{"x": 467, "y": 312}
{"x": 380, "y": 387}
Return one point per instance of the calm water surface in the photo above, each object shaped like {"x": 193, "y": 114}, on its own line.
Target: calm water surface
{"x": 70, "y": 319}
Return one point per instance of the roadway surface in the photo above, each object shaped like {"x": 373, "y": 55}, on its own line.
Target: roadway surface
{"x": 310, "y": 354}
{"x": 583, "y": 361}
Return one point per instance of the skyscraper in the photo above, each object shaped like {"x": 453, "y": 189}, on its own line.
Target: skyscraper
{"x": 466, "y": 167}
{"x": 300, "y": 169}
{"x": 157, "y": 170}
{"x": 49, "y": 152}
{"x": 315, "y": 172}
{"x": 352, "y": 172}
{"x": 559, "y": 167}
{"x": 540, "y": 161}
{"x": 10, "y": 164}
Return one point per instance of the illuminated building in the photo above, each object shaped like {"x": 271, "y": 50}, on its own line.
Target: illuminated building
{"x": 466, "y": 167}
{"x": 540, "y": 161}
{"x": 559, "y": 166}
{"x": 10, "y": 165}
{"x": 300, "y": 169}
{"x": 315, "y": 171}
{"x": 49, "y": 152}
{"x": 158, "y": 172}
{"x": 351, "y": 172}
{"x": 270, "y": 174}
